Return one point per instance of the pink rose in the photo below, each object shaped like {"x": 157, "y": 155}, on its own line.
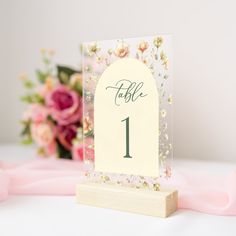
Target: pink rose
{"x": 66, "y": 134}
{"x": 65, "y": 105}
{"x": 38, "y": 113}
{"x": 43, "y": 133}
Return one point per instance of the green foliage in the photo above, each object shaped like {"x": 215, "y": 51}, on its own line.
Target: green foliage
{"x": 26, "y": 128}
{"x": 49, "y": 118}
{"x": 62, "y": 152}
{"x": 78, "y": 87}
{"x": 27, "y": 139}
{"x": 28, "y": 84}
{"x": 89, "y": 133}
{"x": 47, "y": 61}
{"x": 33, "y": 98}
{"x": 64, "y": 73}
{"x": 42, "y": 76}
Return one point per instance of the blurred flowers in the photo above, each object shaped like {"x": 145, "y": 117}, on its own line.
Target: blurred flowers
{"x": 143, "y": 46}
{"x": 158, "y": 41}
{"x": 79, "y": 149}
{"x": 93, "y": 48}
{"x": 43, "y": 133}
{"x": 164, "y": 60}
{"x": 36, "y": 113}
{"x": 53, "y": 119}
{"x": 122, "y": 49}
{"x": 66, "y": 134}
{"x": 65, "y": 105}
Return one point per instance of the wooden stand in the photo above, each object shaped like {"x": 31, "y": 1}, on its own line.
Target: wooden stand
{"x": 143, "y": 201}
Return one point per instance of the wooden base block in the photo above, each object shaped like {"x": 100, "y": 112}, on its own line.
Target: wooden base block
{"x": 143, "y": 201}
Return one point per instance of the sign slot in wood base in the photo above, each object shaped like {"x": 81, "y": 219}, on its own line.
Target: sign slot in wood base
{"x": 142, "y": 201}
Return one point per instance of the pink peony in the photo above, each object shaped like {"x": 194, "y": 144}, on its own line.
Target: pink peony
{"x": 43, "y": 133}
{"x": 36, "y": 113}
{"x": 65, "y": 105}
{"x": 66, "y": 134}
{"x": 39, "y": 113}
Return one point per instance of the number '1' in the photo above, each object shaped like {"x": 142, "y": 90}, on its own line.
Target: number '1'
{"x": 127, "y": 155}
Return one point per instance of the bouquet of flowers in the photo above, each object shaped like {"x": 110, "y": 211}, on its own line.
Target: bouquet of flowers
{"x": 53, "y": 119}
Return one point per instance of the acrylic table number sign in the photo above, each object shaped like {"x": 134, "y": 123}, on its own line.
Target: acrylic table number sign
{"x": 127, "y": 125}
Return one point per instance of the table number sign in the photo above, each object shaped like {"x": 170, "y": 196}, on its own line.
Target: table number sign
{"x": 127, "y": 105}
{"x": 127, "y": 123}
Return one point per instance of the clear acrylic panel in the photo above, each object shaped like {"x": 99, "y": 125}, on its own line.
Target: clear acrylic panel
{"x": 156, "y": 53}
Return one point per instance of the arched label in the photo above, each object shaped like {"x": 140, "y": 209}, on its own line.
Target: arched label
{"x": 126, "y": 120}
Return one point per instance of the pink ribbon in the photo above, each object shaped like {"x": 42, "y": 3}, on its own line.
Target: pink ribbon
{"x": 204, "y": 193}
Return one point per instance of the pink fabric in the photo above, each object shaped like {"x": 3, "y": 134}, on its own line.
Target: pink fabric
{"x": 205, "y": 193}
{"x": 41, "y": 177}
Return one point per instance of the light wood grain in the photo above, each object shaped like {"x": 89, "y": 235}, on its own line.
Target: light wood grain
{"x": 143, "y": 201}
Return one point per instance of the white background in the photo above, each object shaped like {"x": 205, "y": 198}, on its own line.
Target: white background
{"x": 204, "y": 36}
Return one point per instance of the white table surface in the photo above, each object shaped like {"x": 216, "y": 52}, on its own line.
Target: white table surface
{"x": 58, "y": 215}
